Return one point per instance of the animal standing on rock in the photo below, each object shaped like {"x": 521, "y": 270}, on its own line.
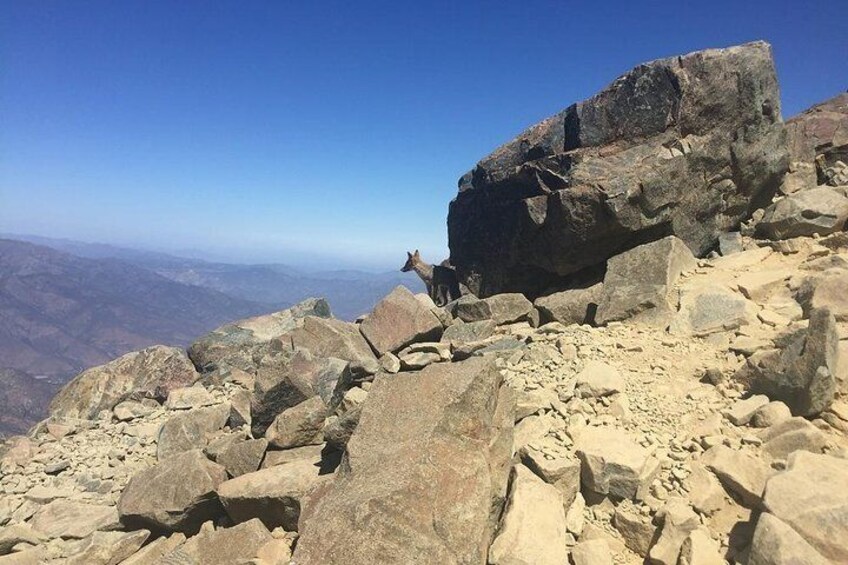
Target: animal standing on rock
{"x": 441, "y": 281}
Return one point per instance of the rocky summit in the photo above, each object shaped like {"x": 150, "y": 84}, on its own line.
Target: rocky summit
{"x": 652, "y": 368}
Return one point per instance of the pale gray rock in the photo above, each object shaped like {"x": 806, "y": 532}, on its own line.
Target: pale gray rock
{"x": 185, "y": 398}
{"x": 705, "y": 492}
{"x": 108, "y": 548}
{"x": 700, "y": 549}
{"x": 639, "y": 282}
{"x": 791, "y": 435}
{"x": 460, "y": 334}
{"x": 772, "y": 413}
{"x": 153, "y": 552}
{"x": 563, "y": 473}
{"x": 708, "y": 309}
{"x": 509, "y": 307}
{"x": 636, "y": 530}
{"x": 678, "y": 521}
{"x": 574, "y": 306}
{"x": 592, "y": 552}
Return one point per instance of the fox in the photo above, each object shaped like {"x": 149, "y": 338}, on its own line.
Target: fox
{"x": 442, "y": 284}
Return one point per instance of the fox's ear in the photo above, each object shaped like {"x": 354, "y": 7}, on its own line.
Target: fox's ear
{"x": 408, "y": 254}
{"x": 416, "y": 253}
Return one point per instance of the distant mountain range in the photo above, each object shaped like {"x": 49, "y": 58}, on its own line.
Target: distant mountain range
{"x": 66, "y": 306}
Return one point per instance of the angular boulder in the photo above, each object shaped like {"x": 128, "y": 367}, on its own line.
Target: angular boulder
{"x": 190, "y": 430}
{"x": 709, "y": 308}
{"x": 811, "y": 497}
{"x": 741, "y": 474}
{"x": 398, "y": 320}
{"x": 612, "y": 463}
{"x": 574, "y": 306}
{"x": 509, "y": 307}
{"x": 639, "y": 282}
{"x": 176, "y": 495}
{"x": 775, "y": 543}
{"x": 462, "y": 333}
{"x": 285, "y": 379}
{"x": 426, "y": 470}
{"x": 533, "y": 526}
{"x": 223, "y": 546}
{"x": 154, "y": 371}
{"x": 818, "y": 138}
{"x": 299, "y": 425}
{"x": 73, "y": 520}
{"x": 273, "y": 495}
{"x": 236, "y": 344}
{"x": 801, "y": 375}
{"x": 329, "y": 337}
{"x": 687, "y": 145}
{"x": 821, "y": 210}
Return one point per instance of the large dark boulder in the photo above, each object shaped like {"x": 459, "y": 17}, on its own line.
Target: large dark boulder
{"x": 688, "y": 146}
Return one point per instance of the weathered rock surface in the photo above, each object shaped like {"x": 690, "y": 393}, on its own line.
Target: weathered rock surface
{"x": 639, "y": 282}
{"x": 533, "y": 527}
{"x": 791, "y": 435}
{"x": 273, "y": 495}
{"x": 509, "y": 307}
{"x": 154, "y": 371}
{"x": 815, "y": 211}
{"x": 625, "y": 167}
{"x": 592, "y": 552}
{"x": 612, "y": 463}
{"x": 69, "y": 519}
{"x": 178, "y": 494}
{"x": 678, "y": 522}
{"x": 191, "y": 430}
{"x": 460, "y": 334}
{"x": 811, "y": 497}
{"x": 821, "y": 131}
{"x": 235, "y": 344}
{"x": 398, "y": 320}
{"x": 710, "y": 309}
{"x": 223, "y": 546}
{"x": 575, "y": 306}
{"x": 243, "y": 457}
{"x": 430, "y": 453}
{"x": 740, "y": 473}
{"x": 299, "y": 425}
{"x": 775, "y": 543}
{"x": 801, "y": 374}
{"x": 109, "y": 548}
{"x": 329, "y": 337}
{"x": 287, "y": 379}
{"x": 599, "y": 379}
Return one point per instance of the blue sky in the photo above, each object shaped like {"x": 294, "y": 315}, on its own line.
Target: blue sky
{"x": 280, "y": 131}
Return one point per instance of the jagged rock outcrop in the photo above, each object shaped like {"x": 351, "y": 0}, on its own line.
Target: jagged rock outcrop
{"x": 237, "y": 344}
{"x": 821, "y": 131}
{"x": 687, "y": 145}
{"x": 426, "y": 469}
{"x": 153, "y": 372}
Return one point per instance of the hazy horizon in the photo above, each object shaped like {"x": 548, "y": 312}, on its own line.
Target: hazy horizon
{"x": 329, "y": 133}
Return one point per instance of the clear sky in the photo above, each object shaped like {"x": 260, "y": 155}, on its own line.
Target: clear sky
{"x": 280, "y": 130}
